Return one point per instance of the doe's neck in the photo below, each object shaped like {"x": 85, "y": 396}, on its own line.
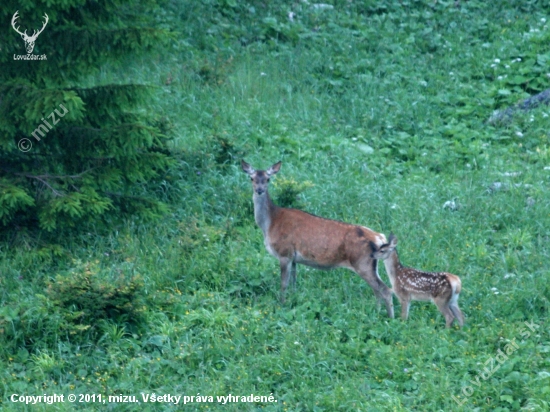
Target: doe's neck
{"x": 264, "y": 209}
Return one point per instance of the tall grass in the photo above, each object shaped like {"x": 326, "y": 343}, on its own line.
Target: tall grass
{"x": 382, "y": 108}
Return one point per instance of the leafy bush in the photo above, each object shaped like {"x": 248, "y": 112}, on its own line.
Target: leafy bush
{"x": 289, "y": 190}
{"x": 83, "y": 298}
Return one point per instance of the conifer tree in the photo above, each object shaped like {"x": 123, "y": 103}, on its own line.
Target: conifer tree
{"x": 74, "y": 149}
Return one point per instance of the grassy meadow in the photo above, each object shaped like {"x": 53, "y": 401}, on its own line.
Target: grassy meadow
{"x": 379, "y": 112}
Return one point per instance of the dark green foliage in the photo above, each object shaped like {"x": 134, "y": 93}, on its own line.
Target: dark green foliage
{"x": 75, "y": 149}
{"x": 224, "y": 150}
{"x": 76, "y": 306}
{"x": 84, "y": 297}
{"x": 288, "y": 191}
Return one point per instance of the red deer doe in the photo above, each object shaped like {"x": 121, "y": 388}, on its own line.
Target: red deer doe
{"x": 410, "y": 284}
{"x": 293, "y": 236}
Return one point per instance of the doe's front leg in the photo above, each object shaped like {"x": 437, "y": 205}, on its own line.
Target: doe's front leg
{"x": 286, "y": 271}
{"x": 368, "y": 271}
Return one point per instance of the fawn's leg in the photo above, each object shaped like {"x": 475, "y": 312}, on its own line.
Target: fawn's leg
{"x": 446, "y": 311}
{"x": 457, "y": 312}
{"x": 405, "y": 305}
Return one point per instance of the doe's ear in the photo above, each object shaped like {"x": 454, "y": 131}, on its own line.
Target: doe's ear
{"x": 247, "y": 168}
{"x": 274, "y": 169}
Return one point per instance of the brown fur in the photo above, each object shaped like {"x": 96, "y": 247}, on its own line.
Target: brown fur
{"x": 294, "y": 236}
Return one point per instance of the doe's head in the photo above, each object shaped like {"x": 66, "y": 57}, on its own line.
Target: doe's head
{"x": 260, "y": 178}
{"x": 385, "y": 250}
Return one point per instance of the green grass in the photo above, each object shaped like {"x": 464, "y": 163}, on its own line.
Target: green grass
{"x": 382, "y": 109}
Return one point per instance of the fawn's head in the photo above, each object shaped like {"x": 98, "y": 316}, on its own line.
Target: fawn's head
{"x": 384, "y": 251}
{"x": 260, "y": 178}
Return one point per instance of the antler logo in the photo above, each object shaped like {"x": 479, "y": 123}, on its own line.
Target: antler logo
{"x": 29, "y": 40}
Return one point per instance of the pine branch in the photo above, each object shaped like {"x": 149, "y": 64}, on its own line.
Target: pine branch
{"x": 48, "y": 176}
{"x": 45, "y": 183}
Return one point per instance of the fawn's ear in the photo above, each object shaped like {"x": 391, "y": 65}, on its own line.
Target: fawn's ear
{"x": 392, "y": 241}
{"x": 247, "y": 168}
{"x": 274, "y": 169}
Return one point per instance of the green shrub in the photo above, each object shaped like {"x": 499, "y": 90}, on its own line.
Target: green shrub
{"x": 84, "y": 297}
{"x": 289, "y": 190}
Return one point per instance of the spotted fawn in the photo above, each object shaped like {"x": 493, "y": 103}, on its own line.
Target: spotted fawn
{"x": 409, "y": 284}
